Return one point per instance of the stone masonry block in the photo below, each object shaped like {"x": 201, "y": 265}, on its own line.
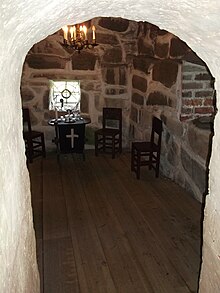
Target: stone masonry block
{"x": 204, "y": 110}
{"x": 187, "y": 77}
{"x": 145, "y": 47}
{"x": 157, "y": 98}
{"x": 139, "y": 83}
{"x": 190, "y": 67}
{"x": 202, "y": 93}
{"x": 50, "y": 46}
{"x": 192, "y": 102}
{"x": 192, "y": 85}
{"x": 161, "y": 50}
{"x": 175, "y": 127}
{"x": 114, "y": 24}
{"x": 39, "y": 61}
{"x": 199, "y": 141}
{"x": 27, "y": 94}
{"x": 110, "y": 76}
{"x": 195, "y": 171}
{"x": 134, "y": 114}
{"x": 173, "y": 154}
{"x": 107, "y": 39}
{"x": 165, "y": 72}
{"x": 203, "y": 76}
{"x": 208, "y": 102}
{"x": 187, "y": 94}
{"x": 143, "y": 64}
{"x": 137, "y": 99}
{"x": 83, "y": 61}
{"x": 113, "y": 55}
{"x": 178, "y": 48}
{"x": 84, "y": 104}
{"x": 186, "y": 110}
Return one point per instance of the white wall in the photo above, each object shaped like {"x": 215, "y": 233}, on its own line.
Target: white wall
{"x": 25, "y": 23}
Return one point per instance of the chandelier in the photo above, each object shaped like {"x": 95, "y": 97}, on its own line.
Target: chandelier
{"x": 76, "y": 37}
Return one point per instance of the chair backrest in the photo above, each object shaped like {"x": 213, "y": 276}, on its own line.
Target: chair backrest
{"x": 112, "y": 117}
{"x": 157, "y": 129}
{"x": 26, "y": 120}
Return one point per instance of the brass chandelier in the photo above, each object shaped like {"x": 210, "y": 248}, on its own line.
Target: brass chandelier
{"x": 76, "y": 37}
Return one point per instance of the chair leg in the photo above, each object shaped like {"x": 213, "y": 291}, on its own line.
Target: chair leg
{"x": 135, "y": 161}
{"x": 96, "y": 144}
{"x": 120, "y": 144}
{"x": 132, "y": 157}
{"x": 113, "y": 147}
{"x": 138, "y": 165}
{"x": 157, "y": 165}
{"x": 104, "y": 143}
{"x": 150, "y": 160}
{"x": 43, "y": 145}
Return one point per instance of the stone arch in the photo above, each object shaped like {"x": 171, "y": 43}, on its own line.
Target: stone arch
{"x": 27, "y": 23}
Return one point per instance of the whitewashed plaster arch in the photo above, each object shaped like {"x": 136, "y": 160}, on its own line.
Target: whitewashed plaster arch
{"x": 27, "y": 22}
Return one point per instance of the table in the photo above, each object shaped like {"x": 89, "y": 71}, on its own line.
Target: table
{"x": 70, "y": 134}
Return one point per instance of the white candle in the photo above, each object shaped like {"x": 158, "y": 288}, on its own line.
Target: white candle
{"x": 71, "y": 32}
{"x": 74, "y": 32}
{"x": 85, "y": 31}
{"x": 93, "y": 33}
{"x": 65, "y": 32}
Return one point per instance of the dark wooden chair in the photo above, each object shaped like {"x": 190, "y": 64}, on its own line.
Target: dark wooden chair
{"x": 34, "y": 140}
{"x": 109, "y": 137}
{"x": 147, "y": 153}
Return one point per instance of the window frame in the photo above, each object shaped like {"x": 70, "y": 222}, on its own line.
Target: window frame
{"x": 56, "y": 92}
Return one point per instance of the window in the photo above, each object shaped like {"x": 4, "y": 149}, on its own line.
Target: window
{"x": 65, "y": 95}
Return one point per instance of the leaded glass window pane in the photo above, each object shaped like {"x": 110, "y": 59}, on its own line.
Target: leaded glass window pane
{"x": 65, "y": 95}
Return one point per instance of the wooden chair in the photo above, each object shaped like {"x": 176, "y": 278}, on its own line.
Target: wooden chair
{"x": 147, "y": 153}
{"x": 109, "y": 137}
{"x": 34, "y": 140}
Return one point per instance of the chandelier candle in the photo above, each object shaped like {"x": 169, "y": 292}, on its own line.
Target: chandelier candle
{"x": 76, "y": 37}
{"x": 93, "y": 34}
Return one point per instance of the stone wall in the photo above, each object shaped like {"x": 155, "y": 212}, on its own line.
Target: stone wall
{"x": 186, "y": 152}
{"x": 144, "y": 70}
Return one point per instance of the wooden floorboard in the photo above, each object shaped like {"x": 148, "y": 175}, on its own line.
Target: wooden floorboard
{"x": 99, "y": 229}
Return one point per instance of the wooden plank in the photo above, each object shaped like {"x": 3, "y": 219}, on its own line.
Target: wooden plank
{"x": 52, "y": 185}
{"x": 147, "y": 250}
{"x": 112, "y": 232}
{"x": 40, "y": 262}
{"x": 92, "y": 267}
{"x": 165, "y": 227}
{"x": 126, "y": 271}
{"x": 60, "y": 274}
{"x": 55, "y": 222}
{"x": 183, "y": 211}
{"x": 35, "y": 172}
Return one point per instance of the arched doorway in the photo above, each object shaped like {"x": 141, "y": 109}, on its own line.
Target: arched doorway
{"x": 26, "y": 35}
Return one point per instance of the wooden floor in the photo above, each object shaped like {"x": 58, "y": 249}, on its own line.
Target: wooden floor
{"x": 99, "y": 229}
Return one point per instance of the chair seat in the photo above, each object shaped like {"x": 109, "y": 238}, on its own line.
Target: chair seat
{"x": 142, "y": 146}
{"x": 108, "y": 131}
{"x": 32, "y": 135}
